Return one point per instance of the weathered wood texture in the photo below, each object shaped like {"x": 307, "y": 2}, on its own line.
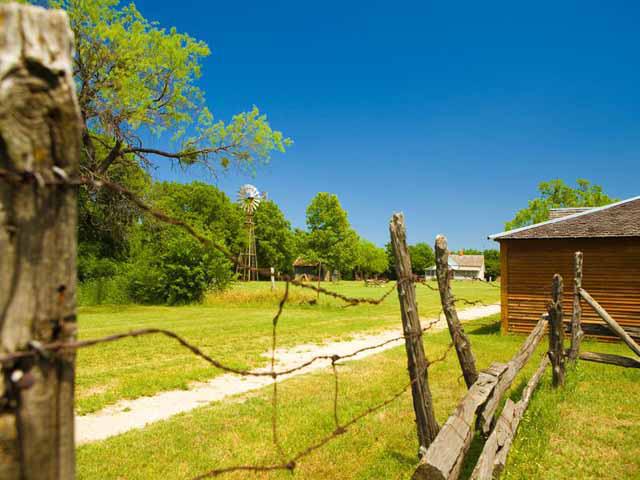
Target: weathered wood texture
{"x": 493, "y": 457}
{"x": 611, "y": 276}
{"x": 610, "y": 359}
{"x": 519, "y": 360}
{"x": 416, "y": 360}
{"x": 613, "y": 325}
{"x": 576, "y": 314}
{"x": 556, "y": 332}
{"x": 460, "y": 340}
{"x": 40, "y": 130}
{"x": 445, "y": 456}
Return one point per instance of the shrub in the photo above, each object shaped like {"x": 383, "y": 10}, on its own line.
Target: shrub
{"x": 177, "y": 271}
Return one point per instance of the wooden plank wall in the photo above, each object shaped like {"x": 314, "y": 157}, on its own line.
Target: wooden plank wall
{"x": 611, "y": 276}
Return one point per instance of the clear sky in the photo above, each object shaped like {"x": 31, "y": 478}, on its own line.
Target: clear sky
{"x": 451, "y": 112}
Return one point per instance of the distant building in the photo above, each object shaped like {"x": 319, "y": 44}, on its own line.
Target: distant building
{"x": 308, "y": 270}
{"x": 464, "y": 267}
{"x": 608, "y": 237}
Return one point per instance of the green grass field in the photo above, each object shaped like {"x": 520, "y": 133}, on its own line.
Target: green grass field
{"x": 234, "y": 327}
{"x": 587, "y": 430}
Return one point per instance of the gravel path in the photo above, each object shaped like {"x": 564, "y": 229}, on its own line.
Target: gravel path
{"x": 129, "y": 414}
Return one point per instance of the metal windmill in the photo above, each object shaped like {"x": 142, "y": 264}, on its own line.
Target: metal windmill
{"x": 249, "y": 199}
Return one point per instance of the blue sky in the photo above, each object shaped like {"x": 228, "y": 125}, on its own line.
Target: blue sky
{"x": 451, "y": 112}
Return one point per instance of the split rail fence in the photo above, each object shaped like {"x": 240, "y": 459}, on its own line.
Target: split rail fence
{"x": 40, "y": 142}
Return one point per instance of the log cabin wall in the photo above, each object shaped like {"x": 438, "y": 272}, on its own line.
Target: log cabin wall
{"x": 611, "y": 275}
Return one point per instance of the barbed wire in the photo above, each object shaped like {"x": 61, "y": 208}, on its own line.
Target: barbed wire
{"x": 45, "y": 351}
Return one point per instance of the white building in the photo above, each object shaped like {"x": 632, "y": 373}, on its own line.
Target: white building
{"x": 464, "y": 267}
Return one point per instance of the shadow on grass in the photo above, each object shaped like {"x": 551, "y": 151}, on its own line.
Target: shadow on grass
{"x": 404, "y": 459}
{"x": 492, "y": 328}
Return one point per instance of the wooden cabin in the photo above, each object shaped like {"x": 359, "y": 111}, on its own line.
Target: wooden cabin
{"x": 609, "y": 238}
{"x": 308, "y": 270}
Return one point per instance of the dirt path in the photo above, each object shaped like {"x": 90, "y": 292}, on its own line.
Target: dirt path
{"x": 129, "y": 414}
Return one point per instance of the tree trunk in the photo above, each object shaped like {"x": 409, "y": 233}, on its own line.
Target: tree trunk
{"x": 556, "y": 332}
{"x": 416, "y": 360}
{"x": 460, "y": 340}
{"x": 40, "y": 138}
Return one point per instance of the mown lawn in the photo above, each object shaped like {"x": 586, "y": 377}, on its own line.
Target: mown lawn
{"x": 588, "y": 430}
{"x": 234, "y": 327}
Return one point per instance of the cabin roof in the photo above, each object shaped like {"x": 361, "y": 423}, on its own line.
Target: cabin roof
{"x": 620, "y": 219}
{"x": 302, "y": 262}
{"x": 468, "y": 261}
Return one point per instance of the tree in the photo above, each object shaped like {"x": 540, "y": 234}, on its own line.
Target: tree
{"x": 491, "y": 263}
{"x": 557, "y": 194}
{"x": 422, "y": 257}
{"x": 135, "y": 78}
{"x": 275, "y": 241}
{"x": 370, "y": 259}
{"x": 330, "y": 239}
{"x": 170, "y": 266}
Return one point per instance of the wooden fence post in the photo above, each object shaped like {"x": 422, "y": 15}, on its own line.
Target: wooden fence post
{"x": 576, "y": 316}
{"x": 556, "y": 332}
{"x": 416, "y": 360}
{"x": 460, "y": 340}
{"x": 40, "y": 138}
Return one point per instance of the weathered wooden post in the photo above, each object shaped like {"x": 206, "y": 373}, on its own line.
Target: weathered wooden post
{"x": 40, "y": 131}
{"x": 576, "y": 316}
{"x": 416, "y": 360}
{"x": 556, "y": 332}
{"x": 460, "y": 340}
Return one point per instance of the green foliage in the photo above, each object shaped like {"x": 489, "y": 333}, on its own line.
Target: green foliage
{"x": 169, "y": 265}
{"x": 275, "y": 241}
{"x": 134, "y": 76}
{"x": 370, "y": 260}
{"x": 331, "y": 239}
{"x": 174, "y": 268}
{"x": 422, "y": 257}
{"x": 491, "y": 263}
{"x": 557, "y": 194}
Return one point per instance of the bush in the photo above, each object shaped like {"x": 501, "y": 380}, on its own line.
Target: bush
{"x": 99, "y": 291}
{"x": 177, "y": 271}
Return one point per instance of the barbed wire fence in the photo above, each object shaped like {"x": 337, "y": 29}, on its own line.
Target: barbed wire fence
{"x": 39, "y": 178}
{"x": 23, "y": 379}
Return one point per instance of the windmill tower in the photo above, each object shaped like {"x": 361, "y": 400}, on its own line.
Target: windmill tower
{"x": 249, "y": 200}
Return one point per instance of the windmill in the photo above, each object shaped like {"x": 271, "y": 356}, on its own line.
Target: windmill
{"x": 249, "y": 199}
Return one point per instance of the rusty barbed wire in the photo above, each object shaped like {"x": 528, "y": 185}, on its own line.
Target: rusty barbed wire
{"x": 59, "y": 177}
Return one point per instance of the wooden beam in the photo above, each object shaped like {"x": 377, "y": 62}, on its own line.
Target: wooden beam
{"x": 613, "y": 325}
{"x": 576, "y": 315}
{"x": 460, "y": 340}
{"x": 416, "y": 360}
{"x": 519, "y": 360}
{"x": 40, "y": 139}
{"x": 556, "y": 332}
{"x": 493, "y": 457}
{"x": 610, "y": 359}
{"x": 445, "y": 456}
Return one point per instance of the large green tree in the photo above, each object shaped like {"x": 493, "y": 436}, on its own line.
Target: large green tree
{"x": 370, "y": 259}
{"x": 137, "y": 86}
{"x": 330, "y": 238}
{"x": 557, "y": 194}
{"x": 136, "y": 78}
{"x": 170, "y": 266}
{"x": 275, "y": 241}
{"x": 422, "y": 257}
